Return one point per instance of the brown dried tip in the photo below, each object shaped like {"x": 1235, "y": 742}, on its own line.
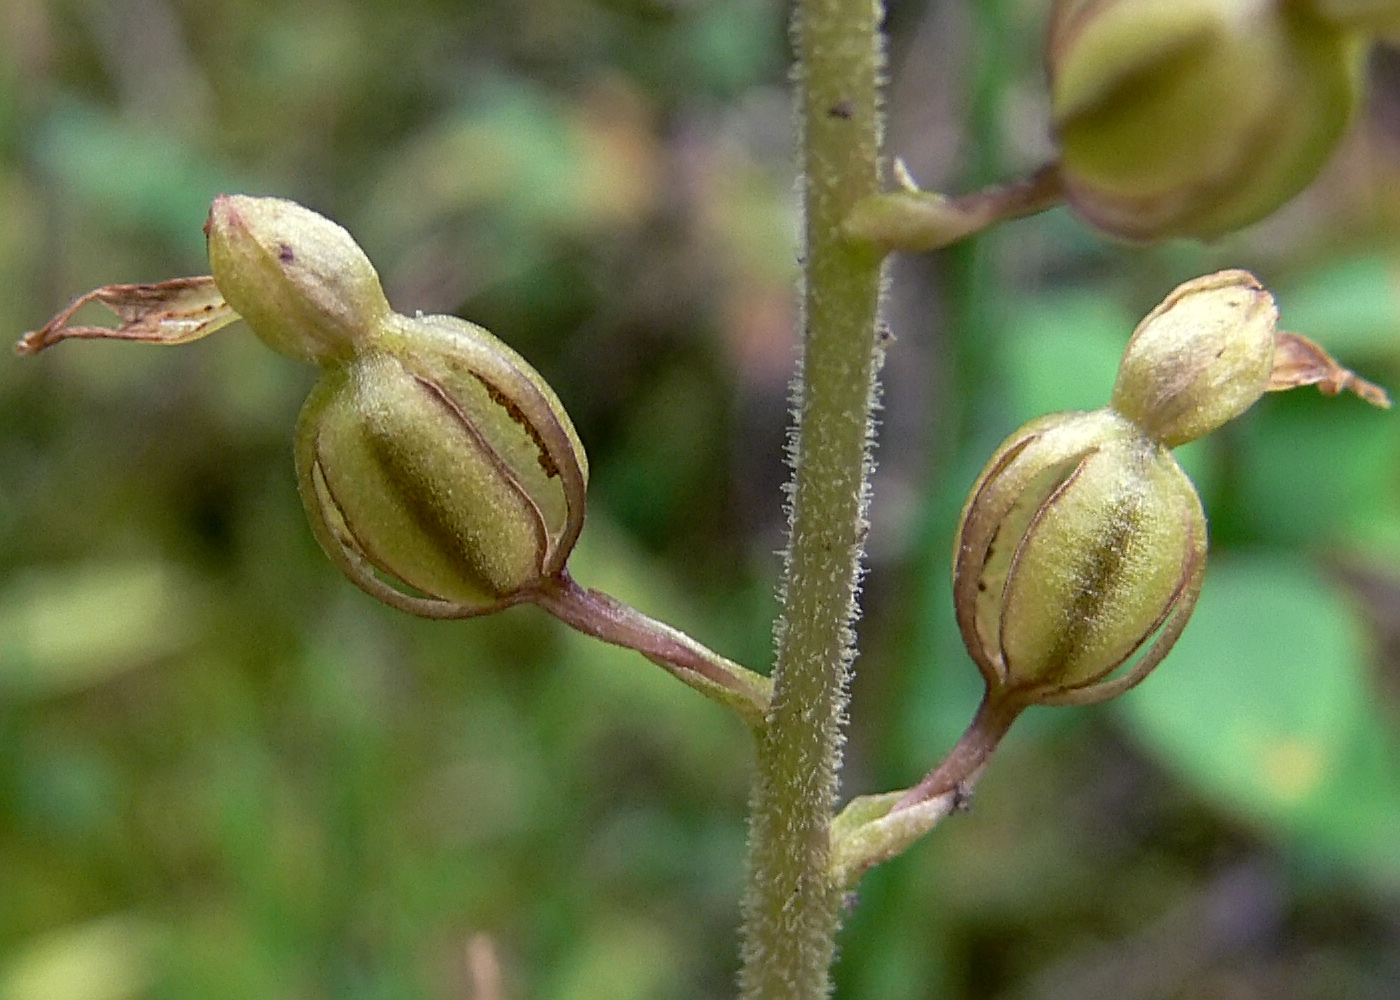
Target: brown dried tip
{"x": 170, "y": 312}
{"x": 1298, "y": 362}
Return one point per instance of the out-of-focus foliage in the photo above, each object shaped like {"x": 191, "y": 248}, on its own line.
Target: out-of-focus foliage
{"x": 226, "y": 773}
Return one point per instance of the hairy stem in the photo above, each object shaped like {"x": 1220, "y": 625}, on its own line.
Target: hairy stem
{"x": 791, "y": 906}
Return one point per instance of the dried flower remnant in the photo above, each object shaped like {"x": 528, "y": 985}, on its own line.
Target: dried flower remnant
{"x": 171, "y": 312}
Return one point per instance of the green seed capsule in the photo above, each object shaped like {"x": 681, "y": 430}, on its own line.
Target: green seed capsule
{"x": 1082, "y": 540}
{"x": 439, "y": 471}
{"x": 1083, "y": 544}
{"x": 1196, "y": 117}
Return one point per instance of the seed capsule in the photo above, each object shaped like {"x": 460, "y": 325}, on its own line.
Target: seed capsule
{"x": 1082, "y": 540}
{"x": 1198, "y": 117}
{"x": 439, "y": 471}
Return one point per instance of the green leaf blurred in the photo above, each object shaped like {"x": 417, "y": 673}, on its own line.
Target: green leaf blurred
{"x": 1062, "y": 352}
{"x": 1265, "y": 704}
{"x": 66, "y": 630}
{"x": 1351, "y": 305}
{"x": 1314, "y": 473}
{"x": 107, "y": 959}
{"x": 134, "y": 176}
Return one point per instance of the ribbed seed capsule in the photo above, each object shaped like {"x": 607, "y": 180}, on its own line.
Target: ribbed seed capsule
{"x": 1196, "y": 117}
{"x": 1083, "y": 544}
{"x": 1081, "y": 541}
{"x": 440, "y": 472}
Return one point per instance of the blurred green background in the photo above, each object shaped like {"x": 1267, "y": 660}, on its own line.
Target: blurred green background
{"x": 226, "y": 773}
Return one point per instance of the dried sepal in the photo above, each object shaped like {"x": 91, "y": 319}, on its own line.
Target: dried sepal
{"x": 1299, "y": 362}
{"x": 168, "y": 312}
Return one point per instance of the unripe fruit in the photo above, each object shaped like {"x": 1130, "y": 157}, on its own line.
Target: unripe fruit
{"x": 1196, "y": 117}
{"x": 1083, "y": 543}
{"x": 439, "y": 471}
{"x": 1080, "y": 540}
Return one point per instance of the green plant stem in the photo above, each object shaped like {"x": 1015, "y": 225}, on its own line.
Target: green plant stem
{"x": 791, "y": 906}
